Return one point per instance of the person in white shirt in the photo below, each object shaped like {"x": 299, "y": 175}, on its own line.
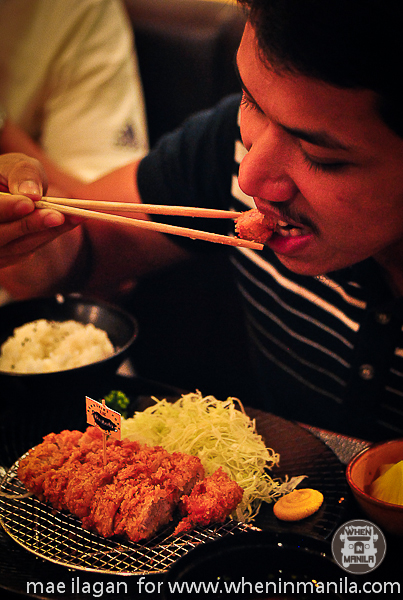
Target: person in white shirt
{"x": 70, "y": 89}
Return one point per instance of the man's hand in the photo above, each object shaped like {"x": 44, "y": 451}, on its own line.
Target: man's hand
{"x": 20, "y": 174}
{"x": 24, "y": 228}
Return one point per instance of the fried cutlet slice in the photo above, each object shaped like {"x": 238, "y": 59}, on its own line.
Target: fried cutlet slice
{"x": 179, "y": 473}
{"x": 103, "y": 510}
{"x": 144, "y": 509}
{"x": 48, "y": 457}
{"x": 148, "y": 505}
{"x": 52, "y": 453}
{"x": 210, "y": 501}
{"x": 54, "y": 485}
{"x": 57, "y": 479}
{"x": 253, "y": 225}
{"x": 107, "y": 499}
{"x": 144, "y": 495}
{"x": 89, "y": 475}
{"x": 74, "y": 483}
{"x": 83, "y": 484}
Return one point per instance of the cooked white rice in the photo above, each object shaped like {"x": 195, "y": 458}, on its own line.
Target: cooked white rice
{"x": 46, "y": 346}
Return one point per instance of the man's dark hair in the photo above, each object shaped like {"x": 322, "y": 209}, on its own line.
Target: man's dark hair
{"x": 355, "y": 44}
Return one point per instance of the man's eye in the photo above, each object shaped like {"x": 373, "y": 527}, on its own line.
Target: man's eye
{"x": 316, "y": 165}
{"x": 248, "y": 103}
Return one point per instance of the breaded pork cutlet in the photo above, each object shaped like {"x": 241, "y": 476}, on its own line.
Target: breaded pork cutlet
{"x": 91, "y": 474}
{"x": 107, "y": 499}
{"x": 210, "y": 501}
{"x": 144, "y": 495}
{"x": 47, "y": 458}
{"x": 56, "y": 480}
{"x": 150, "y": 504}
{"x": 253, "y": 225}
{"x": 50, "y": 454}
{"x": 178, "y": 473}
{"x": 134, "y": 494}
{"x": 144, "y": 509}
{"x": 85, "y": 479}
{"x": 72, "y": 486}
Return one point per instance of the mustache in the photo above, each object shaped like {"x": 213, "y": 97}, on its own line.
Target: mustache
{"x": 287, "y": 212}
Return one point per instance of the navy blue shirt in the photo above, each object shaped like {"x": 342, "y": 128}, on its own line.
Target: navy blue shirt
{"x": 326, "y": 350}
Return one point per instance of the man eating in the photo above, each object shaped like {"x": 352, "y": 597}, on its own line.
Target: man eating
{"x": 321, "y": 154}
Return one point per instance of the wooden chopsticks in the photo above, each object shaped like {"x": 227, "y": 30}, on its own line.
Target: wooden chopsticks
{"x": 91, "y": 209}
{"x": 149, "y": 209}
{"x": 76, "y": 208}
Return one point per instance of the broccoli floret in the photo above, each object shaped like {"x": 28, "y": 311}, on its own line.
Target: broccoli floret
{"x": 118, "y": 401}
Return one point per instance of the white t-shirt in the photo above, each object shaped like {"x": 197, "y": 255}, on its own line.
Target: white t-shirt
{"x": 69, "y": 77}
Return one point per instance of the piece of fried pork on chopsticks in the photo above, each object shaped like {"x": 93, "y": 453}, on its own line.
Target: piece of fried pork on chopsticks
{"x": 254, "y": 226}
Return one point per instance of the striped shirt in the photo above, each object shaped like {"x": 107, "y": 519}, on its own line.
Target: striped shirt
{"x": 327, "y": 350}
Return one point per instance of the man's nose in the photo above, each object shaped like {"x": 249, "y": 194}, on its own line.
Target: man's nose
{"x": 263, "y": 170}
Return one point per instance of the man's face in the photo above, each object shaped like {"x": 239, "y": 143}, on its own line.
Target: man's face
{"x": 320, "y": 159}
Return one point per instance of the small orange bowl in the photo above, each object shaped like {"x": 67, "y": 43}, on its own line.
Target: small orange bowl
{"x": 361, "y": 472}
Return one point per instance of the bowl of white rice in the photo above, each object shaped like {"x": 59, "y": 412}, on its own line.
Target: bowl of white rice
{"x": 62, "y": 341}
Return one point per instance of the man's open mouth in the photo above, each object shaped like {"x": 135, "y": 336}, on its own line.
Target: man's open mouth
{"x": 287, "y": 229}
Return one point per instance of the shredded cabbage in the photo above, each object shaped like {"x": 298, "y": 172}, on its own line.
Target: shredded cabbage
{"x": 221, "y": 434}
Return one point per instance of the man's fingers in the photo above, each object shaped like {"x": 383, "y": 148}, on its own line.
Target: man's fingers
{"x": 38, "y": 221}
{"x": 15, "y": 207}
{"x": 23, "y": 175}
{"x": 22, "y": 247}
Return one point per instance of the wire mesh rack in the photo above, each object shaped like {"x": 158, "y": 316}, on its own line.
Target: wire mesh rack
{"x": 60, "y": 538}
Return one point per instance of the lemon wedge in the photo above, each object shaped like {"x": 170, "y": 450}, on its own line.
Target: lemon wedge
{"x": 389, "y": 486}
{"x": 384, "y": 468}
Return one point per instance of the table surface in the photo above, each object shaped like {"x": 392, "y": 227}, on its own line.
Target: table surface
{"x": 344, "y": 448}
